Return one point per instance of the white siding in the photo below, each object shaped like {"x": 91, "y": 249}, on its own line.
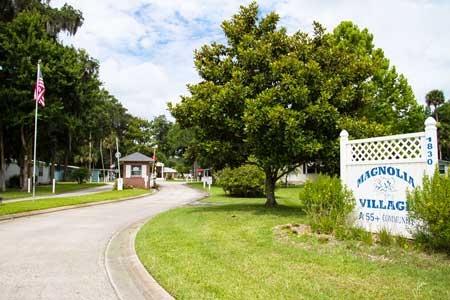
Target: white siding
{"x": 127, "y": 171}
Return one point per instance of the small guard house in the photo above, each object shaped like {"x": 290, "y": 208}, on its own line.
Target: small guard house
{"x": 137, "y": 169}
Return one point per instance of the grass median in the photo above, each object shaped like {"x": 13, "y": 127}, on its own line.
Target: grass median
{"x": 44, "y": 190}
{"x": 39, "y": 204}
{"x": 235, "y": 248}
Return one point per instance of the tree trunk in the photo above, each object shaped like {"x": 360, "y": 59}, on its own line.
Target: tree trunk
{"x": 25, "y": 168}
{"x": 66, "y": 158}
{"x": 110, "y": 158}
{"x": 53, "y": 160}
{"x": 103, "y": 162}
{"x": 270, "y": 189}
{"x": 24, "y": 173}
{"x": 52, "y": 170}
{"x": 66, "y": 163}
{"x": 90, "y": 152}
{"x": 20, "y": 164}
{"x": 2, "y": 161}
{"x": 29, "y": 168}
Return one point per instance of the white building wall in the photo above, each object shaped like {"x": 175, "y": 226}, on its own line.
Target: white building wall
{"x": 300, "y": 175}
{"x": 13, "y": 169}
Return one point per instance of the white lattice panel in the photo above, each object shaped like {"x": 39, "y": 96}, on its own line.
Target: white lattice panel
{"x": 396, "y": 149}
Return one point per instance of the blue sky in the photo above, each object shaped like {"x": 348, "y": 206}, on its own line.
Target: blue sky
{"x": 145, "y": 47}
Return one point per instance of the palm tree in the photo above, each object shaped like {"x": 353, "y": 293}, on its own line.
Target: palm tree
{"x": 435, "y": 98}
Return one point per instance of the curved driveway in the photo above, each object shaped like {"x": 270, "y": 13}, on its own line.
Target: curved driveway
{"x": 61, "y": 255}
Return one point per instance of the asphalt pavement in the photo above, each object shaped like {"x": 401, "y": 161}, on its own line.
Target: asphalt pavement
{"x": 83, "y": 253}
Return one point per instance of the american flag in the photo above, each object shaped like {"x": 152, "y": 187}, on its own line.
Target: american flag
{"x": 39, "y": 88}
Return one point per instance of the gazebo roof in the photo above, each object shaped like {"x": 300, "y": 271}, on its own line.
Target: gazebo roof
{"x": 136, "y": 156}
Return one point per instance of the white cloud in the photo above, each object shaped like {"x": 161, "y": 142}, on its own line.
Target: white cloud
{"x": 412, "y": 33}
{"x": 145, "y": 47}
{"x": 144, "y": 84}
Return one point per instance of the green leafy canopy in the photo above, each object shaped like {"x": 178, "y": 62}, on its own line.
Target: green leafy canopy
{"x": 282, "y": 99}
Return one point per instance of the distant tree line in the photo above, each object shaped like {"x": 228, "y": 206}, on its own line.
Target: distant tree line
{"x": 266, "y": 98}
{"x": 81, "y": 120}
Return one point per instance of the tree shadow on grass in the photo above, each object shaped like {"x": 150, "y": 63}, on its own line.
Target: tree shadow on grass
{"x": 253, "y": 208}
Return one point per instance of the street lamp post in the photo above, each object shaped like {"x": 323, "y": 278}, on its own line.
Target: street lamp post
{"x": 118, "y": 155}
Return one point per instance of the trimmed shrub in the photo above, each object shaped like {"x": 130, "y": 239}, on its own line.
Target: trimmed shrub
{"x": 79, "y": 175}
{"x": 430, "y": 205}
{"x": 327, "y": 203}
{"x": 245, "y": 181}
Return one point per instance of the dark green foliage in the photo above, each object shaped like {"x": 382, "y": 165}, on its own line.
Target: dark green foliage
{"x": 430, "y": 204}
{"x": 282, "y": 99}
{"x": 79, "y": 114}
{"x": 442, "y": 113}
{"x": 435, "y": 98}
{"x": 14, "y": 181}
{"x": 80, "y": 175}
{"x": 244, "y": 181}
{"x": 327, "y": 203}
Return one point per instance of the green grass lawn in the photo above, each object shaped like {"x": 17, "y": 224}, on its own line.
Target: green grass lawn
{"x": 234, "y": 249}
{"x": 28, "y": 205}
{"x": 43, "y": 190}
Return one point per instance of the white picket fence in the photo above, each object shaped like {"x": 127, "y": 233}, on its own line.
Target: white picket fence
{"x": 380, "y": 170}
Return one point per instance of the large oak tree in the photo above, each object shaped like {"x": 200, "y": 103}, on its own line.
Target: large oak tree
{"x": 280, "y": 100}
{"x": 79, "y": 114}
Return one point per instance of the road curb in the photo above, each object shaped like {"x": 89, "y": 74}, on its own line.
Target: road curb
{"x": 126, "y": 273}
{"x": 128, "y": 276}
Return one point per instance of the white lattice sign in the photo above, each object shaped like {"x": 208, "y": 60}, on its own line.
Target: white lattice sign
{"x": 380, "y": 170}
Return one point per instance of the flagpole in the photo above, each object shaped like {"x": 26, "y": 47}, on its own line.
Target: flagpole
{"x": 35, "y": 137}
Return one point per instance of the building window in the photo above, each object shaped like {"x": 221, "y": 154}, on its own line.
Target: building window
{"x": 41, "y": 171}
{"x": 136, "y": 170}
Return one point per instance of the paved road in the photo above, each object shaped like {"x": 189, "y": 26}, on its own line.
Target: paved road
{"x": 61, "y": 255}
